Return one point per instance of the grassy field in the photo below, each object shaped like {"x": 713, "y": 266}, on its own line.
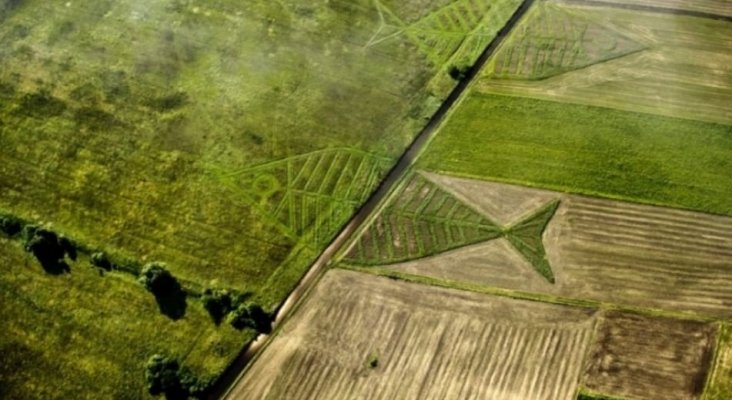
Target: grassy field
{"x": 428, "y": 343}
{"x": 671, "y": 65}
{"x": 588, "y": 150}
{"x": 230, "y": 140}
{"x": 83, "y": 335}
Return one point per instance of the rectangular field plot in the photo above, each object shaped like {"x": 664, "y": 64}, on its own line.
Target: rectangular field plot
{"x": 604, "y": 55}
{"x": 647, "y": 358}
{"x": 589, "y": 150}
{"x": 365, "y": 337}
{"x": 715, "y": 7}
{"x": 601, "y": 250}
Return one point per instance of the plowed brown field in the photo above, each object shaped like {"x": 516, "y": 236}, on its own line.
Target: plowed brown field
{"x": 430, "y": 343}
{"x": 646, "y": 358}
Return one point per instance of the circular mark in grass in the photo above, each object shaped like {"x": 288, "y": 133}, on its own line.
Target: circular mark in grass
{"x": 265, "y": 185}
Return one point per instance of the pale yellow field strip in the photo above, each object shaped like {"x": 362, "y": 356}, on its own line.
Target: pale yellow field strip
{"x": 718, "y": 7}
{"x": 685, "y": 71}
{"x": 431, "y": 343}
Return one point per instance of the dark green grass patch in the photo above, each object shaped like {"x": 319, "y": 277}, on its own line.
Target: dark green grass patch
{"x": 588, "y": 150}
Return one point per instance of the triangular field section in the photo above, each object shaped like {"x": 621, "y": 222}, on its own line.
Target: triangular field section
{"x": 554, "y": 41}
{"x": 422, "y": 220}
{"x": 425, "y": 219}
{"x": 309, "y": 196}
{"x": 526, "y": 237}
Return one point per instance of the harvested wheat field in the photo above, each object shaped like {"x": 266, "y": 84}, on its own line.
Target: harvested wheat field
{"x": 648, "y": 358}
{"x": 360, "y": 336}
{"x": 597, "y": 249}
{"x": 721, "y": 8}
{"x": 614, "y": 54}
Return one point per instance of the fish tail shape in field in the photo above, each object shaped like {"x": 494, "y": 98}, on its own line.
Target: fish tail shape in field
{"x": 426, "y": 220}
{"x": 526, "y": 238}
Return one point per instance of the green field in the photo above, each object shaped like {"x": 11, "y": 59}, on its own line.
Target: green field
{"x": 83, "y": 335}
{"x": 229, "y": 140}
{"x": 588, "y": 150}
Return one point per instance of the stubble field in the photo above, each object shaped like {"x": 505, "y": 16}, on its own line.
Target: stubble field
{"x": 602, "y": 250}
{"x": 361, "y": 336}
{"x": 660, "y": 63}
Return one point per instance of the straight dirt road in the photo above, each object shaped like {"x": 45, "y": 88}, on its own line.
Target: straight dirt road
{"x": 227, "y": 387}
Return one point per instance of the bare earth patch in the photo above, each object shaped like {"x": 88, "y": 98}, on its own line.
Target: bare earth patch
{"x": 650, "y": 358}
{"x": 428, "y": 343}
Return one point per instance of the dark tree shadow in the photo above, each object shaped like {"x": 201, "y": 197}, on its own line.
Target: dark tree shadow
{"x": 49, "y": 251}
{"x": 220, "y": 303}
{"x": 172, "y": 301}
{"x": 55, "y": 267}
{"x": 167, "y": 290}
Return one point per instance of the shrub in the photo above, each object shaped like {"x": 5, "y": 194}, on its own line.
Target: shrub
{"x": 251, "y": 316}
{"x": 161, "y": 375}
{"x": 47, "y": 247}
{"x": 157, "y": 279}
{"x": 165, "y": 376}
{"x": 194, "y": 386}
{"x": 100, "y": 260}
{"x": 41, "y": 105}
{"x": 218, "y": 303}
{"x": 168, "y": 103}
{"x": 373, "y": 360}
{"x": 458, "y": 73}
{"x": 68, "y": 247}
{"x": 10, "y": 225}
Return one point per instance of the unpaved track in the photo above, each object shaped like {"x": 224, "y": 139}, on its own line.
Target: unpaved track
{"x": 227, "y": 384}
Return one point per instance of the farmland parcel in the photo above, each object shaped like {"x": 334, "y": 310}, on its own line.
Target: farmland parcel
{"x": 168, "y": 170}
{"x": 422, "y": 338}
{"x": 226, "y": 141}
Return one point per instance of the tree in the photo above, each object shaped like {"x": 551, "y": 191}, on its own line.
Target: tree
{"x": 169, "y": 294}
{"x": 218, "y": 303}
{"x": 48, "y": 249}
{"x": 161, "y": 375}
{"x": 10, "y": 225}
{"x": 458, "y": 73}
{"x": 157, "y": 279}
{"x": 251, "y": 316}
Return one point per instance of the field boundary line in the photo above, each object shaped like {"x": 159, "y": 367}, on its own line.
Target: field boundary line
{"x": 529, "y": 296}
{"x": 227, "y": 382}
{"x": 649, "y": 8}
{"x": 713, "y": 370}
{"x": 565, "y": 190}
